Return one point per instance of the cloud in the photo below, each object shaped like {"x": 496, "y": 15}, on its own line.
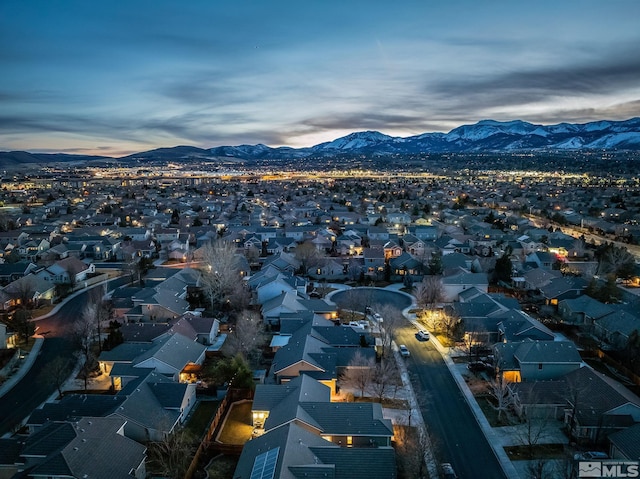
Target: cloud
{"x": 531, "y": 86}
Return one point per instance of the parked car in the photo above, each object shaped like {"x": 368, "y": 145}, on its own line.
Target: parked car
{"x": 447, "y": 471}
{"x": 404, "y": 352}
{"x": 422, "y": 335}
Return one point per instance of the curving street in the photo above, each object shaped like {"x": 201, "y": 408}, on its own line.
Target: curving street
{"x": 35, "y": 388}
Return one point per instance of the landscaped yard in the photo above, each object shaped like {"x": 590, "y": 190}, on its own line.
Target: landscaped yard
{"x": 237, "y": 428}
{"x": 222, "y": 467}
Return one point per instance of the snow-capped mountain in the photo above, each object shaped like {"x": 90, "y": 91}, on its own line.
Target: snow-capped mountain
{"x": 484, "y": 136}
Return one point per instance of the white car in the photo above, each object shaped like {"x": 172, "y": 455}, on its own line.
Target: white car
{"x": 404, "y": 352}
{"x": 422, "y": 335}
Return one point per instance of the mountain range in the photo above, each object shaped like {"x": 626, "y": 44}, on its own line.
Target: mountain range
{"x": 484, "y": 136}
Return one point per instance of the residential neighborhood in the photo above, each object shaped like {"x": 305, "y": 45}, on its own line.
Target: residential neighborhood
{"x": 255, "y": 323}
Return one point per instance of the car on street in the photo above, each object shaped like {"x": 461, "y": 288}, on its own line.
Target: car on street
{"x": 447, "y": 471}
{"x": 422, "y": 335}
{"x": 404, "y": 352}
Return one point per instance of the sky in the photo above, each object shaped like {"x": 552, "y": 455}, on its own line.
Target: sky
{"x": 122, "y": 76}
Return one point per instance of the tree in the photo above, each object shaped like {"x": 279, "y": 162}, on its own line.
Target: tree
{"x": 233, "y": 371}
{"x": 172, "y": 456}
{"x": 435, "y": 264}
{"x": 392, "y": 319}
{"x": 84, "y": 330}
{"x": 23, "y": 325}
{"x": 248, "y": 335}
{"x": 385, "y": 377}
{"x": 220, "y": 277}
{"x": 56, "y": 372}
{"x": 308, "y": 255}
{"x": 615, "y": 260}
{"x": 358, "y": 375}
{"x": 429, "y": 291}
{"x": 501, "y": 392}
{"x": 504, "y": 267}
{"x": 114, "y": 336}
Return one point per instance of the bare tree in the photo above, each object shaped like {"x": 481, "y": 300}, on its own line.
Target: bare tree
{"x": 503, "y": 395}
{"x": 429, "y": 291}
{"x": 172, "y": 456}
{"x": 84, "y": 330}
{"x": 308, "y": 255}
{"x": 474, "y": 338}
{"x": 22, "y": 291}
{"x": 220, "y": 275}
{"x": 56, "y": 372}
{"x": 532, "y": 432}
{"x": 248, "y": 334}
{"x": 385, "y": 377}
{"x": 358, "y": 375}
{"x": 392, "y": 319}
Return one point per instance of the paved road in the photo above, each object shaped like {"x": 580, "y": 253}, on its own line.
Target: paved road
{"x": 456, "y": 435}
{"x": 360, "y": 298}
{"x": 34, "y": 388}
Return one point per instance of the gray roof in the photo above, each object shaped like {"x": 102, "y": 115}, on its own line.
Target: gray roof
{"x": 358, "y": 463}
{"x": 74, "y": 406}
{"x": 627, "y": 441}
{"x": 547, "y": 352}
{"x": 304, "y": 388}
{"x": 126, "y": 352}
{"x": 174, "y": 350}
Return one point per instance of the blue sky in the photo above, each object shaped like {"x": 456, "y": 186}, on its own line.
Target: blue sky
{"x": 115, "y": 77}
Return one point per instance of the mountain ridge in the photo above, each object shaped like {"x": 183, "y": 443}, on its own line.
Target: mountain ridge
{"x": 483, "y": 136}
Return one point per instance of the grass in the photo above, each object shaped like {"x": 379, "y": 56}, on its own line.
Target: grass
{"x": 222, "y": 467}
{"x": 491, "y": 414}
{"x": 237, "y": 427}
{"x": 201, "y": 417}
{"x": 537, "y": 451}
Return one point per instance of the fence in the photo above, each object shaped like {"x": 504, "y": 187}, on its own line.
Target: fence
{"x": 206, "y": 443}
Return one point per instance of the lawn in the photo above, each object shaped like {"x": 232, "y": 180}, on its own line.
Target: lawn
{"x": 237, "y": 428}
{"x": 537, "y": 451}
{"x": 222, "y": 467}
{"x": 201, "y": 417}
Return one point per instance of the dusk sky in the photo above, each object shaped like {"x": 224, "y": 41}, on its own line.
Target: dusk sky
{"x": 116, "y": 77}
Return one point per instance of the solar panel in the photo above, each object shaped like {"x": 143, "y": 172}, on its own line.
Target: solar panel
{"x": 264, "y": 465}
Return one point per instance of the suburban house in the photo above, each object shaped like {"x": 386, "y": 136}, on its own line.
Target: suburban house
{"x": 535, "y": 360}
{"x": 293, "y": 451}
{"x": 456, "y": 284}
{"x": 592, "y": 405}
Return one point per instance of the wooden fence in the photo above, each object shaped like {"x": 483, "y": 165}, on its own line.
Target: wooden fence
{"x": 207, "y": 441}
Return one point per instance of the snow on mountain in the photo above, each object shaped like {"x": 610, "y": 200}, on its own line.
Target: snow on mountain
{"x": 363, "y": 139}
{"x": 616, "y": 140}
{"x": 487, "y": 128}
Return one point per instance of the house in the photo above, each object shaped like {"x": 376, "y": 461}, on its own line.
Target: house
{"x": 456, "y": 284}
{"x": 170, "y": 355}
{"x": 592, "y": 405}
{"x": 516, "y": 325}
{"x": 615, "y": 328}
{"x": 154, "y": 406}
{"x": 91, "y": 447}
{"x": 535, "y": 360}
{"x": 583, "y": 310}
{"x": 374, "y": 262}
{"x": 563, "y": 288}
{"x": 319, "y": 349}
{"x": 292, "y": 451}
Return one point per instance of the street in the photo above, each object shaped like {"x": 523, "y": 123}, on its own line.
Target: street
{"x": 455, "y": 434}
{"x": 35, "y": 387}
